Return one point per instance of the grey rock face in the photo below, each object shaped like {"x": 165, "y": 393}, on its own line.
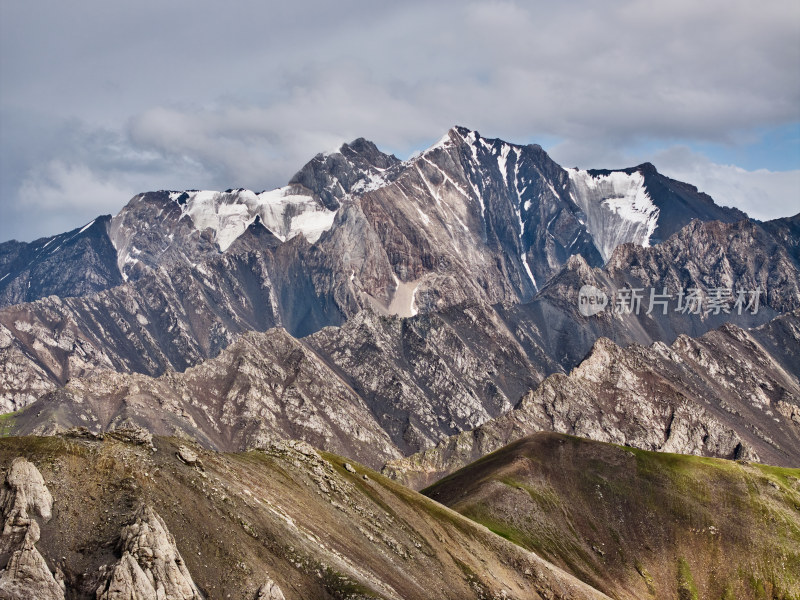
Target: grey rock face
{"x": 265, "y": 387}
{"x": 77, "y": 263}
{"x": 149, "y": 232}
{"x": 270, "y": 591}
{"x": 427, "y": 377}
{"x": 353, "y": 168}
{"x": 25, "y": 574}
{"x": 472, "y": 218}
{"x": 25, "y": 493}
{"x": 787, "y": 232}
{"x": 738, "y": 256}
{"x": 720, "y": 395}
{"x": 151, "y": 566}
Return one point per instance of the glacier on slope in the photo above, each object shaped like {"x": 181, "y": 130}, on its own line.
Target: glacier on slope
{"x": 617, "y": 206}
{"x": 286, "y": 212}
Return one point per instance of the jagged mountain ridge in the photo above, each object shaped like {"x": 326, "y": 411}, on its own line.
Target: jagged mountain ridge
{"x": 80, "y": 262}
{"x": 507, "y": 215}
{"x": 396, "y": 245}
{"x": 508, "y": 212}
{"x": 422, "y": 378}
{"x": 379, "y": 388}
{"x": 375, "y": 388}
{"x": 159, "y": 322}
{"x": 727, "y": 394}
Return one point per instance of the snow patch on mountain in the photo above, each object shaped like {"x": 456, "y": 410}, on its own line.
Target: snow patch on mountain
{"x": 502, "y": 159}
{"x": 85, "y": 227}
{"x": 617, "y": 206}
{"x": 524, "y": 255}
{"x": 443, "y": 142}
{"x": 371, "y": 182}
{"x": 284, "y": 211}
{"x": 128, "y": 259}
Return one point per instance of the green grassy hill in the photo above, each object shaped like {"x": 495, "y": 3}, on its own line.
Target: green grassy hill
{"x": 638, "y": 524}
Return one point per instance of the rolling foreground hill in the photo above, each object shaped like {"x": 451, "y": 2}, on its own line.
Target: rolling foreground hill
{"x": 639, "y": 524}
{"x": 134, "y": 517}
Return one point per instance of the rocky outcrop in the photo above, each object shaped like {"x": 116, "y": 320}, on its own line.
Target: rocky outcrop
{"x": 270, "y": 591}
{"x": 353, "y": 168}
{"x": 25, "y": 574}
{"x": 150, "y": 566}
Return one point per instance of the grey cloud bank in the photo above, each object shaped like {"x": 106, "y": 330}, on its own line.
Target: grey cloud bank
{"x": 99, "y": 101}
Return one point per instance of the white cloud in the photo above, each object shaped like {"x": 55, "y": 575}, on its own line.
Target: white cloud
{"x": 63, "y": 187}
{"x": 762, "y": 194}
{"x": 243, "y": 94}
{"x": 60, "y": 196}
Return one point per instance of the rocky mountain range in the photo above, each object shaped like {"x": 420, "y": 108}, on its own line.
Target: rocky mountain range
{"x": 505, "y": 216}
{"x": 730, "y": 393}
{"x": 409, "y": 315}
{"x": 436, "y": 231}
{"x": 410, "y": 381}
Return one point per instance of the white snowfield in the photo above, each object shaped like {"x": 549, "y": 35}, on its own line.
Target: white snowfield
{"x": 229, "y": 214}
{"x": 617, "y": 207}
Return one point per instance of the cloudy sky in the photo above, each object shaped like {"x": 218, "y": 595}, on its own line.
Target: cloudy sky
{"x": 100, "y": 100}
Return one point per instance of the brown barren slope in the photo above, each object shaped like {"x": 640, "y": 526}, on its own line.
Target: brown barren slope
{"x": 289, "y": 514}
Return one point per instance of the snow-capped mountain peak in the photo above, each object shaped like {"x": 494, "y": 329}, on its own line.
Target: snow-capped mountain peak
{"x": 503, "y": 216}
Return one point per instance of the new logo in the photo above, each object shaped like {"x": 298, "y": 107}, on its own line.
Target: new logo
{"x": 591, "y": 301}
